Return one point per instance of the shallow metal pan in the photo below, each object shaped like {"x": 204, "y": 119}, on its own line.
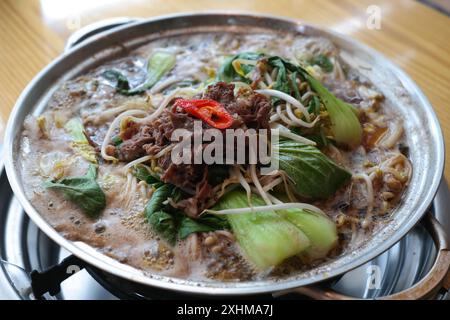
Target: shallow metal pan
{"x": 422, "y": 132}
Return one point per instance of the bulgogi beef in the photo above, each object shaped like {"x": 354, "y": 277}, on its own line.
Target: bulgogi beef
{"x": 249, "y": 109}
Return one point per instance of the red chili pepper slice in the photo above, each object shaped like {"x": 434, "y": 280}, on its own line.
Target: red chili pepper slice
{"x": 210, "y": 111}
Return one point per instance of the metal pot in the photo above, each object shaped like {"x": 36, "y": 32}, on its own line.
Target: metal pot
{"x": 422, "y": 132}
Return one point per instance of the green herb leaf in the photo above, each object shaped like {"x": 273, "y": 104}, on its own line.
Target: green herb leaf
{"x": 83, "y": 191}
{"x": 281, "y": 83}
{"x": 294, "y": 86}
{"x": 314, "y": 175}
{"x": 323, "y": 62}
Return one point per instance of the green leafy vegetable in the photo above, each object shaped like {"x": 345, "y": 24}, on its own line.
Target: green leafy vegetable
{"x": 320, "y": 230}
{"x": 228, "y": 73}
{"x": 172, "y": 225}
{"x": 122, "y": 84}
{"x": 281, "y": 82}
{"x": 217, "y": 174}
{"x": 314, "y": 175}
{"x": 345, "y": 124}
{"x": 205, "y": 223}
{"x": 158, "y": 64}
{"x": 344, "y": 121}
{"x": 266, "y": 238}
{"x": 142, "y": 174}
{"x": 294, "y": 85}
{"x": 319, "y": 138}
{"x": 164, "y": 224}
{"x": 158, "y": 197}
{"x": 323, "y": 62}
{"x": 83, "y": 191}
{"x": 80, "y": 143}
{"x": 314, "y": 105}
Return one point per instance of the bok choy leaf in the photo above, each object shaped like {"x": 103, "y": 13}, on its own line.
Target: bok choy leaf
{"x": 314, "y": 175}
{"x": 83, "y": 191}
{"x": 266, "y": 238}
{"x": 320, "y": 230}
{"x": 172, "y": 225}
{"x": 229, "y": 72}
{"x": 323, "y": 62}
{"x": 204, "y": 223}
{"x": 142, "y": 174}
{"x": 345, "y": 124}
{"x": 155, "y": 203}
{"x": 158, "y": 64}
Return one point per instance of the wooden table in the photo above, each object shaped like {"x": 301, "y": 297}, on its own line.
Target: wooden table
{"x": 416, "y": 37}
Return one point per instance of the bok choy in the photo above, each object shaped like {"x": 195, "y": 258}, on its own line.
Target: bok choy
{"x": 314, "y": 175}
{"x": 265, "y": 237}
{"x": 323, "y": 62}
{"x": 171, "y": 224}
{"x": 345, "y": 124}
{"x": 158, "y": 64}
{"x": 320, "y": 230}
{"x": 83, "y": 191}
{"x": 232, "y": 71}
